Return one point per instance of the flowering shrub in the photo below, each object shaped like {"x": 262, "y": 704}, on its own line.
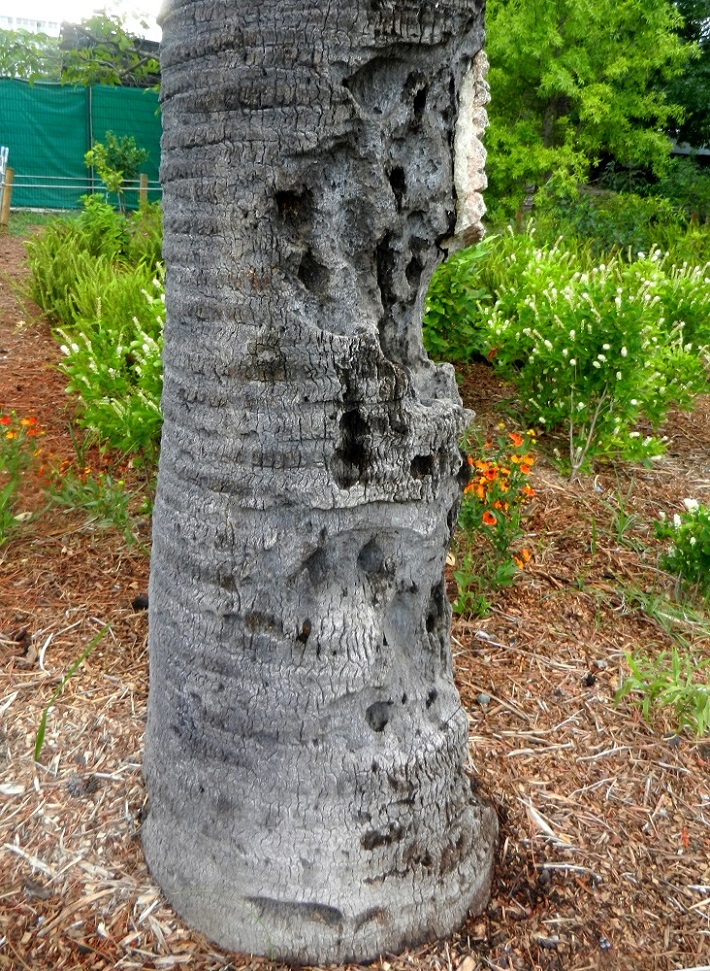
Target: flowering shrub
{"x": 114, "y": 365}
{"x": 17, "y": 453}
{"x": 490, "y": 522}
{"x": 598, "y": 351}
{"x": 688, "y": 556}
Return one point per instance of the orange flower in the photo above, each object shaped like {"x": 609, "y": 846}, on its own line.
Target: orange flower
{"x": 10, "y": 435}
{"x": 516, "y": 439}
{"x": 527, "y": 491}
{"x": 489, "y": 519}
{"x": 499, "y": 504}
{"x": 5, "y": 420}
{"x": 469, "y": 459}
{"x": 525, "y": 469}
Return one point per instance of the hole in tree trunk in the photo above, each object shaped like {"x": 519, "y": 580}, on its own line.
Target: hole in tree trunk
{"x": 399, "y": 184}
{"x": 294, "y": 206}
{"x": 352, "y": 454}
{"x": 312, "y": 274}
{"x": 371, "y": 559}
{"x": 378, "y": 715}
{"x": 422, "y": 465}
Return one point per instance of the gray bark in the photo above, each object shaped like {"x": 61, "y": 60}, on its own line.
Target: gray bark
{"x": 306, "y": 747}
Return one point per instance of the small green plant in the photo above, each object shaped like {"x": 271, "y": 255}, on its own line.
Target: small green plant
{"x": 102, "y": 497}
{"x": 117, "y": 161}
{"x": 449, "y": 326}
{"x": 490, "y": 530}
{"x": 622, "y": 518}
{"x": 688, "y": 556}
{"x": 17, "y": 453}
{"x": 669, "y": 681}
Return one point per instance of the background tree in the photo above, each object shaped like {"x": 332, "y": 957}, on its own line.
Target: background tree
{"x": 574, "y": 81}
{"x": 99, "y": 50}
{"x": 306, "y": 747}
{"x": 691, "y": 89}
{"x": 29, "y": 56}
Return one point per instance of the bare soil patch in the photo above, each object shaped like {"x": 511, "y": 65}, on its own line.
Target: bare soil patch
{"x": 604, "y": 858}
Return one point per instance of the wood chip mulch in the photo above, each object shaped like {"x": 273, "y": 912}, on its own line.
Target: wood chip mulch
{"x": 604, "y": 857}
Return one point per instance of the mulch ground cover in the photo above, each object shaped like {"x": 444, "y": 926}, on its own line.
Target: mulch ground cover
{"x": 604, "y": 856}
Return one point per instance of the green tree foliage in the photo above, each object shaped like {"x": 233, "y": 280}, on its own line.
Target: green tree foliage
{"x": 691, "y": 89}
{"x": 97, "y": 51}
{"x": 29, "y": 56}
{"x": 100, "y": 51}
{"x": 576, "y": 80}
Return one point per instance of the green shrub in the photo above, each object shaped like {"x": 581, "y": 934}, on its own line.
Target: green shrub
{"x": 593, "y": 352}
{"x": 687, "y": 186}
{"x": 112, "y": 358}
{"x": 688, "y": 556}
{"x": 607, "y": 221}
{"x": 449, "y": 327}
{"x": 100, "y": 276}
{"x": 626, "y": 223}
{"x": 145, "y": 235}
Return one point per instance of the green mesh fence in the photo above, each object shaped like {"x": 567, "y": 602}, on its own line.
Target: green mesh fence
{"x": 49, "y": 127}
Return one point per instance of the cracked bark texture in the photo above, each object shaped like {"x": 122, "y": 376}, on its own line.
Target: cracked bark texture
{"x": 306, "y": 748}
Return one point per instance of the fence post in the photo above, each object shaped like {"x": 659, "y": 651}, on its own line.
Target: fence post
{"x": 143, "y": 189}
{"x": 6, "y": 197}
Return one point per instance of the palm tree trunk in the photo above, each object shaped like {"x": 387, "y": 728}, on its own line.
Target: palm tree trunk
{"x": 305, "y": 747}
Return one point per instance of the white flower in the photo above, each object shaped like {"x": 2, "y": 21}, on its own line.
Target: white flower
{"x": 565, "y": 352}
{"x": 624, "y": 352}
{"x": 618, "y": 375}
{"x": 596, "y": 364}
{"x": 572, "y": 334}
{"x": 633, "y": 401}
{"x": 548, "y": 344}
{"x": 676, "y": 520}
{"x": 692, "y": 505}
{"x": 662, "y": 516}
{"x": 601, "y": 357}
{"x": 634, "y": 434}
{"x": 572, "y": 361}
{"x": 580, "y": 406}
{"x": 606, "y": 347}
